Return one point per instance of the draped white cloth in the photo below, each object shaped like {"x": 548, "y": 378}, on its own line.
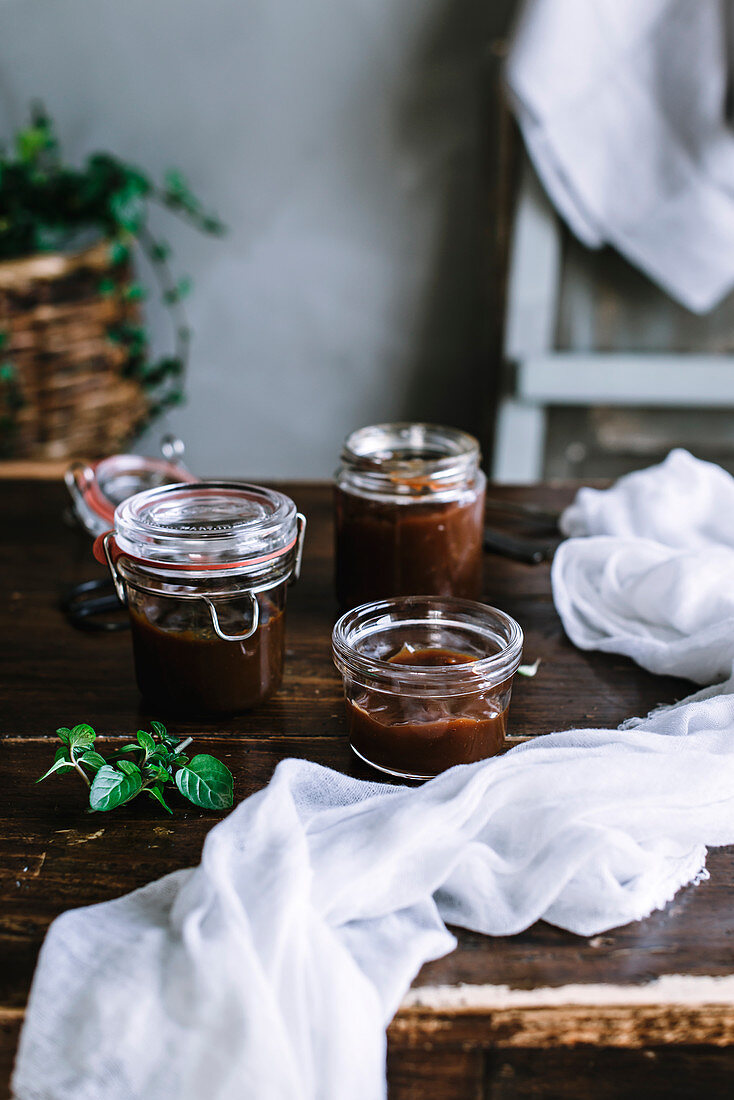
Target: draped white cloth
{"x": 655, "y": 579}
{"x": 622, "y": 104}
{"x": 272, "y": 968}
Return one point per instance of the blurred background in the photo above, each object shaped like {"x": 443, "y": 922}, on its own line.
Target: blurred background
{"x": 390, "y": 252}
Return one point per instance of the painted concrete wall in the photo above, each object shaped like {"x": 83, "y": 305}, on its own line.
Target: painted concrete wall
{"x": 339, "y": 139}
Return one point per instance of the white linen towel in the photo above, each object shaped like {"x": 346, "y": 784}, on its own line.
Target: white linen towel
{"x": 622, "y": 107}
{"x": 654, "y": 576}
{"x": 271, "y": 970}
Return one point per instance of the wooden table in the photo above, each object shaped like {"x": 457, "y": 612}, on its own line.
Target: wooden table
{"x": 498, "y": 1018}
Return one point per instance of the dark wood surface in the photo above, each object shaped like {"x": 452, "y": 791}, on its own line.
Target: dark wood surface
{"x": 54, "y": 856}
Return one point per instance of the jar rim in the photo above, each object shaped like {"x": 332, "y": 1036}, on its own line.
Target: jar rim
{"x": 449, "y": 611}
{"x": 206, "y": 526}
{"x": 409, "y": 458}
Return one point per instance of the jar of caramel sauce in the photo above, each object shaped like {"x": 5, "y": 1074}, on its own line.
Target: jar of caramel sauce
{"x": 409, "y": 503}
{"x": 427, "y": 682}
{"x": 204, "y": 569}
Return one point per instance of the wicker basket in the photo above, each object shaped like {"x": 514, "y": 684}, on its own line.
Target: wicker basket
{"x": 67, "y": 371}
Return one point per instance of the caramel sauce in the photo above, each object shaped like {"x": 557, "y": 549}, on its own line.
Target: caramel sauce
{"x": 194, "y": 671}
{"x": 420, "y": 737}
{"x": 422, "y": 548}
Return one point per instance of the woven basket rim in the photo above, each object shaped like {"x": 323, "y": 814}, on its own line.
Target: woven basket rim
{"x": 53, "y": 265}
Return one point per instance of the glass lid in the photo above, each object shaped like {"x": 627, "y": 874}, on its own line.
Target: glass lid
{"x": 206, "y": 525}
{"x": 97, "y": 488}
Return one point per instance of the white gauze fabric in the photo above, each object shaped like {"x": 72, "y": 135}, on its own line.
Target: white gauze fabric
{"x": 622, "y": 104}
{"x": 651, "y": 571}
{"x": 272, "y": 969}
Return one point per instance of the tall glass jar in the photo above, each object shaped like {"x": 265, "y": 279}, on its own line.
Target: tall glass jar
{"x": 409, "y": 514}
{"x": 204, "y": 569}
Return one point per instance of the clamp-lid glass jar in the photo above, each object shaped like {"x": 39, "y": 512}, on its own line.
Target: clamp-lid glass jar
{"x": 204, "y": 569}
{"x": 427, "y": 682}
{"x": 97, "y": 488}
{"x": 409, "y": 514}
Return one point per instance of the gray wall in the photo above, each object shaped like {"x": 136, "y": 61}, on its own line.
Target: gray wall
{"x": 339, "y": 139}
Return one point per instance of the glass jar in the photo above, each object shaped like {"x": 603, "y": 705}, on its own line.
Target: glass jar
{"x": 427, "y": 682}
{"x": 203, "y": 568}
{"x": 409, "y": 504}
{"x": 97, "y": 488}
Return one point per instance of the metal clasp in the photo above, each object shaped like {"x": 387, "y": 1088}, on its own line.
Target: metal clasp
{"x": 172, "y": 449}
{"x": 301, "y": 522}
{"x": 116, "y": 579}
{"x": 234, "y": 637}
{"x": 72, "y": 475}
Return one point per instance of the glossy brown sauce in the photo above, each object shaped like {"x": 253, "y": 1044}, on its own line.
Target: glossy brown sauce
{"x": 194, "y": 671}
{"x": 421, "y": 737}
{"x": 428, "y": 549}
{"x": 429, "y": 658}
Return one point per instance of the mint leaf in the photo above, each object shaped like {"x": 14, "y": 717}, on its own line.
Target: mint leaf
{"x": 158, "y": 772}
{"x": 127, "y": 767}
{"x": 206, "y": 782}
{"x": 146, "y": 742}
{"x": 81, "y": 736}
{"x": 157, "y": 794}
{"x": 59, "y": 766}
{"x": 112, "y": 788}
{"x": 113, "y": 781}
{"x": 93, "y": 759}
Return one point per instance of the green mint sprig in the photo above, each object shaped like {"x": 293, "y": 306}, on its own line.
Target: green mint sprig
{"x": 147, "y": 765}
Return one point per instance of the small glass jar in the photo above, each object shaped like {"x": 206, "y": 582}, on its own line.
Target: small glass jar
{"x": 409, "y": 514}
{"x": 204, "y": 568}
{"x": 97, "y": 488}
{"x": 427, "y": 682}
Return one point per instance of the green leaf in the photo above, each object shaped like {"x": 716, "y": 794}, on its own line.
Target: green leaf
{"x": 160, "y": 729}
{"x": 58, "y": 766}
{"x": 206, "y": 782}
{"x": 131, "y": 746}
{"x": 81, "y": 735}
{"x": 112, "y": 788}
{"x": 213, "y": 225}
{"x": 106, "y": 287}
{"x": 7, "y": 371}
{"x": 64, "y": 734}
{"x": 178, "y": 292}
{"x": 157, "y": 794}
{"x": 119, "y": 253}
{"x": 93, "y": 759}
{"x": 128, "y": 767}
{"x": 146, "y": 742}
{"x": 160, "y": 251}
{"x": 30, "y": 143}
{"x": 157, "y": 771}
{"x": 133, "y": 292}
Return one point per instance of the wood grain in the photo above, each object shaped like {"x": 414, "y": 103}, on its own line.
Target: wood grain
{"x": 54, "y": 856}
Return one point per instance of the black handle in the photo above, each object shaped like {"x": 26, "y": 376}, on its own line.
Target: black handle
{"x": 83, "y": 602}
{"x": 519, "y": 549}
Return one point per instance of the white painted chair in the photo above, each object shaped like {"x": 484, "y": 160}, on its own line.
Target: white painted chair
{"x": 537, "y": 376}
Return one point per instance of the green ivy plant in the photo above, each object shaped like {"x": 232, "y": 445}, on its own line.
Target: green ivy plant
{"x": 47, "y": 205}
{"x": 145, "y": 766}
